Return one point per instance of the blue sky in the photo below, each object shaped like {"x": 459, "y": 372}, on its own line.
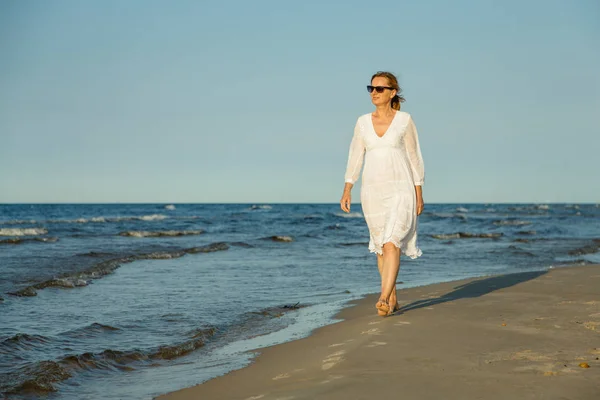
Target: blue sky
{"x": 255, "y": 101}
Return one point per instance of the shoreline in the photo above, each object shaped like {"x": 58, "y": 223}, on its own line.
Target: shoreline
{"x": 513, "y": 336}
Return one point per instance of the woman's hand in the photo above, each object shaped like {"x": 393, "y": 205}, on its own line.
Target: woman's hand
{"x": 346, "y": 200}
{"x": 420, "y": 205}
{"x": 419, "y": 195}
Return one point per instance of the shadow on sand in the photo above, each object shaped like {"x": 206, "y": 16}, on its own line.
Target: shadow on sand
{"x": 476, "y": 288}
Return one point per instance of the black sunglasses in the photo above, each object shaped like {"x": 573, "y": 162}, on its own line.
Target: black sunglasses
{"x": 378, "y": 89}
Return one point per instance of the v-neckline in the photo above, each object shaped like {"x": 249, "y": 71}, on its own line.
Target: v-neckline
{"x": 386, "y": 130}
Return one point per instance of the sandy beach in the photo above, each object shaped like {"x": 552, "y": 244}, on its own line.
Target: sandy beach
{"x": 531, "y": 335}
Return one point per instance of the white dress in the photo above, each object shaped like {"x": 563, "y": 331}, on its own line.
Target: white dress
{"x": 393, "y": 166}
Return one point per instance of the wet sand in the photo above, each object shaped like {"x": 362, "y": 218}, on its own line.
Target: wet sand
{"x": 517, "y": 336}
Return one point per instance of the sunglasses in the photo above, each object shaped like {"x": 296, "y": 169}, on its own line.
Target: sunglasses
{"x": 378, "y": 89}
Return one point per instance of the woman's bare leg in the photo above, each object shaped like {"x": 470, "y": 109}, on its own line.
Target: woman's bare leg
{"x": 393, "y": 299}
{"x": 391, "y": 265}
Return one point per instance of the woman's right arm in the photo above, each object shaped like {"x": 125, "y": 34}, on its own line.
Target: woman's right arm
{"x": 356, "y": 156}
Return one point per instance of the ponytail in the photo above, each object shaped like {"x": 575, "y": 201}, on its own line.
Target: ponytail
{"x": 396, "y": 103}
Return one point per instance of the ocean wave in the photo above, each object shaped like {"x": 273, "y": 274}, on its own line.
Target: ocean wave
{"x": 180, "y": 349}
{"x": 335, "y": 227}
{"x": 41, "y": 377}
{"x": 170, "y": 207}
{"x": 448, "y": 215}
{"x": 349, "y": 215}
{"x": 261, "y": 207}
{"x": 514, "y": 250}
{"x": 241, "y": 244}
{"x": 98, "y": 219}
{"x": 35, "y": 378}
{"x": 153, "y": 217}
{"x": 141, "y": 234}
{"x": 89, "y": 330}
{"x": 355, "y": 244}
{"x": 461, "y": 210}
{"x": 25, "y": 240}
{"x": 23, "y": 342}
{"x": 280, "y": 238}
{"x": 121, "y": 359}
{"x": 22, "y": 231}
{"x": 278, "y": 311}
{"x": 526, "y": 233}
{"x": 313, "y": 217}
{"x": 511, "y": 222}
{"x": 20, "y": 222}
{"x": 94, "y": 254}
{"x": 587, "y": 249}
{"x": 101, "y": 269}
{"x": 467, "y": 235}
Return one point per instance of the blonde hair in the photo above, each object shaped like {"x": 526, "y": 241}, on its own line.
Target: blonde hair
{"x": 392, "y": 82}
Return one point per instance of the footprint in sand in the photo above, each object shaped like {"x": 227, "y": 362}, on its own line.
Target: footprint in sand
{"x": 375, "y": 344}
{"x": 332, "y": 378}
{"x": 592, "y": 325}
{"x": 374, "y": 331}
{"x": 333, "y": 359}
{"x": 529, "y": 356}
{"x": 281, "y": 376}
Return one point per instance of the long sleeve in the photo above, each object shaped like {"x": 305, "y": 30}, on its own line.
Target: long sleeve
{"x": 413, "y": 151}
{"x": 356, "y": 156}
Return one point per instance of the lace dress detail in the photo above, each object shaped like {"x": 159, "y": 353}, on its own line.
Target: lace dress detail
{"x": 393, "y": 165}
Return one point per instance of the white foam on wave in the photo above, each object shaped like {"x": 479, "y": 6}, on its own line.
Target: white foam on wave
{"x": 76, "y": 221}
{"x": 512, "y": 222}
{"x": 160, "y": 233}
{"x": 543, "y": 206}
{"x": 349, "y": 215}
{"x": 461, "y": 209}
{"x": 20, "y": 221}
{"x": 170, "y": 207}
{"x": 153, "y": 217}
{"x": 261, "y": 207}
{"x": 22, "y": 231}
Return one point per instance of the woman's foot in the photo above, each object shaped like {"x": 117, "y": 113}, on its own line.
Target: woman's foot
{"x": 383, "y": 308}
{"x": 394, "y": 302}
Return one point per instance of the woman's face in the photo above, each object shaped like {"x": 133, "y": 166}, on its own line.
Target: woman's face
{"x": 381, "y": 99}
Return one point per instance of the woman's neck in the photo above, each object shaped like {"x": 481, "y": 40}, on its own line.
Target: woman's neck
{"x": 384, "y": 111}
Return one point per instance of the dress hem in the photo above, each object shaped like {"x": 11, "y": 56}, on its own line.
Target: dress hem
{"x": 412, "y": 254}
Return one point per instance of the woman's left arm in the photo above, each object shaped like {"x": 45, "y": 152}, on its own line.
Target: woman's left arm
{"x": 415, "y": 159}
{"x": 420, "y": 204}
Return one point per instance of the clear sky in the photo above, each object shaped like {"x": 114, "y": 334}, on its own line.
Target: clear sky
{"x": 255, "y": 101}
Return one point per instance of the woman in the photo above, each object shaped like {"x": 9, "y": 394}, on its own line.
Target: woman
{"x": 391, "y": 192}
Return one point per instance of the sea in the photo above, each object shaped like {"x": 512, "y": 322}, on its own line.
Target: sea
{"x": 129, "y": 301}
